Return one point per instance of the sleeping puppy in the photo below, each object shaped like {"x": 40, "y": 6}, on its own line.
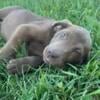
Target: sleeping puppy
{"x": 54, "y": 42}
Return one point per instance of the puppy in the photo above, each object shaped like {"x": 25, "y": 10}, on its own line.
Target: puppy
{"x": 48, "y": 40}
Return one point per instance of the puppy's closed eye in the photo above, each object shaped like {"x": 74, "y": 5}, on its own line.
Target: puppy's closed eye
{"x": 76, "y": 50}
{"x": 75, "y": 55}
{"x": 61, "y": 36}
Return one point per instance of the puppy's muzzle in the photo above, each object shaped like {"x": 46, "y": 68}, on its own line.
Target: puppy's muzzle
{"x": 50, "y": 54}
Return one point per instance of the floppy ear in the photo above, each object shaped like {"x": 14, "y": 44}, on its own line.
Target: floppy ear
{"x": 61, "y": 25}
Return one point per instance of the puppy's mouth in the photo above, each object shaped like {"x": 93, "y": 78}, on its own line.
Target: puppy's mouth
{"x": 45, "y": 60}
{"x": 52, "y": 58}
{"x": 52, "y": 62}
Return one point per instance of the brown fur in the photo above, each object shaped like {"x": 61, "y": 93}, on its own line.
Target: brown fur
{"x": 48, "y": 40}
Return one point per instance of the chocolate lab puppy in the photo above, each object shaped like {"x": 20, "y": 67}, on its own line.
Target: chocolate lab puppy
{"x": 54, "y": 42}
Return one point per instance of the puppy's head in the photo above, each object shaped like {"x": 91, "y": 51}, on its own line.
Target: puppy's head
{"x": 70, "y": 44}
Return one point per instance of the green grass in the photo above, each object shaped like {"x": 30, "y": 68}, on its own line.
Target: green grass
{"x": 46, "y": 83}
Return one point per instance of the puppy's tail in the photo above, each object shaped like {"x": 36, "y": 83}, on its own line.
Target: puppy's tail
{"x": 5, "y": 11}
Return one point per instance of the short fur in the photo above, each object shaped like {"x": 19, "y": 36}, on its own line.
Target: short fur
{"x": 54, "y": 42}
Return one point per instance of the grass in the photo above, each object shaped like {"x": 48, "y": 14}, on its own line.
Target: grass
{"x": 46, "y": 83}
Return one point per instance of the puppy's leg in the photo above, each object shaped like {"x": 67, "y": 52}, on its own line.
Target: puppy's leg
{"x": 22, "y": 33}
{"x": 22, "y": 65}
{"x": 5, "y": 11}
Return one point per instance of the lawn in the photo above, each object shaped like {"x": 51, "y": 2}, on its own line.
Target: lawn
{"x": 75, "y": 82}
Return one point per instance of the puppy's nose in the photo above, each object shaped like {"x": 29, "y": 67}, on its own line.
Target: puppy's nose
{"x": 51, "y": 54}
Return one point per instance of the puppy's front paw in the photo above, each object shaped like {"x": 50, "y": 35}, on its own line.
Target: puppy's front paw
{"x": 17, "y": 67}
{"x": 12, "y": 67}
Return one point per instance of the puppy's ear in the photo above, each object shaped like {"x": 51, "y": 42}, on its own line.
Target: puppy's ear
{"x": 61, "y": 25}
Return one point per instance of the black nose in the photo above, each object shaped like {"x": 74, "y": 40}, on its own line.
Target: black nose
{"x": 52, "y": 54}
